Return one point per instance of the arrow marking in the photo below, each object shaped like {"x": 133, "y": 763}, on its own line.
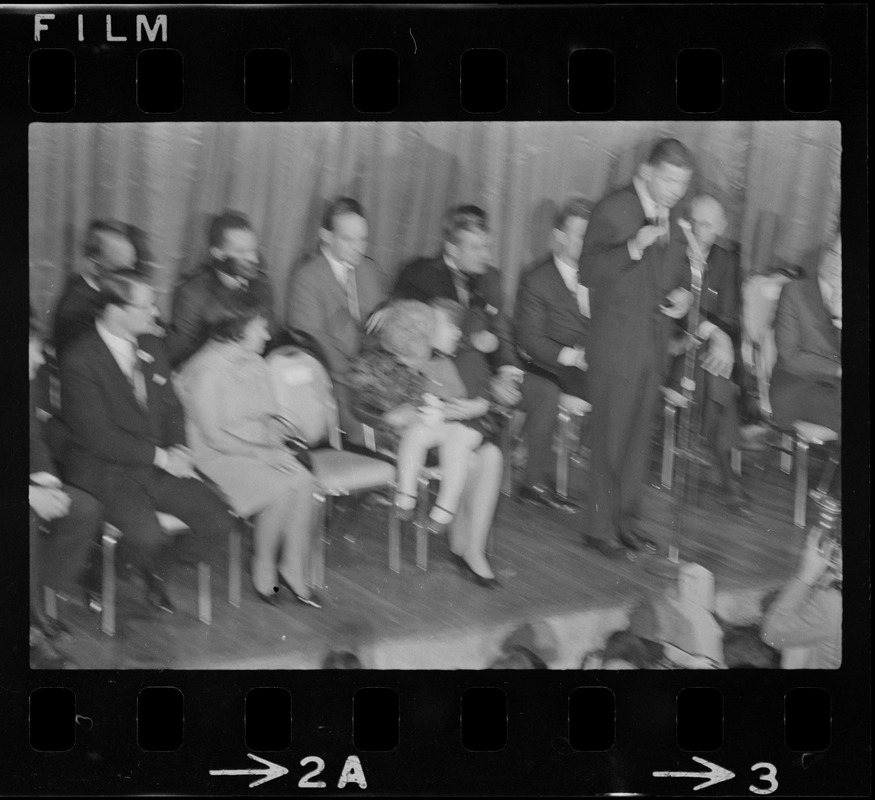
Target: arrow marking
{"x": 272, "y": 771}
{"x": 715, "y": 774}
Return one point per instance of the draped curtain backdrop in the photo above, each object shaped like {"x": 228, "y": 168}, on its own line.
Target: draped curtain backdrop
{"x": 780, "y": 183}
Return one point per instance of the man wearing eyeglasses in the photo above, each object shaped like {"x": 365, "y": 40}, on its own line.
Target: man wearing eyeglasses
{"x": 128, "y": 443}
{"x": 234, "y": 266}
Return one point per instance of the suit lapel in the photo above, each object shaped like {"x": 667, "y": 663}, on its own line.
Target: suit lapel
{"x": 109, "y": 367}
{"x": 560, "y": 290}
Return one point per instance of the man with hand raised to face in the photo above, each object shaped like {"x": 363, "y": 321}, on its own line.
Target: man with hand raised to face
{"x": 635, "y": 266}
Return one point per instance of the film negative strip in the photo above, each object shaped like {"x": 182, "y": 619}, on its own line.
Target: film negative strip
{"x": 517, "y": 505}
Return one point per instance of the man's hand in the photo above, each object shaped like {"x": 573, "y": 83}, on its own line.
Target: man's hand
{"x": 49, "y": 503}
{"x": 677, "y": 303}
{"x": 720, "y": 357}
{"x": 180, "y": 463}
{"x": 376, "y": 320}
{"x": 646, "y": 236}
{"x": 465, "y": 408}
{"x": 484, "y": 341}
{"x": 282, "y": 459}
{"x": 505, "y": 390}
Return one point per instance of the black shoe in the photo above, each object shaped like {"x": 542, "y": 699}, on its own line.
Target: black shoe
{"x": 156, "y": 595}
{"x": 468, "y": 572}
{"x": 615, "y": 552}
{"x": 635, "y": 541}
{"x": 313, "y": 600}
{"x": 546, "y": 497}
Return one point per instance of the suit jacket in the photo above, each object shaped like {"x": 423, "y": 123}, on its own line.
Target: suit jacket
{"x": 627, "y": 331}
{"x": 194, "y": 305}
{"x": 547, "y": 316}
{"x": 317, "y": 304}
{"x": 721, "y": 294}
{"x": 427, "y": 278}
{"x": 75, "y": 313}
{"x": 40, "y": 457}
{"x": 111, "y": 432}
{"x": 808, "y": 343}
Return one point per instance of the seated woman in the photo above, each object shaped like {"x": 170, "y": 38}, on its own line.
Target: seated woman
{"x": 409, "y": 386}
{"x": 238, "y": 443}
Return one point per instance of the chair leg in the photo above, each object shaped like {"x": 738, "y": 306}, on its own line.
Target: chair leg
{"x": 507, "y": 458}
{"x": 786, "y": 453}
{"x": 109, "y": 541}
{"x": 801, "y": 483}
{"x": 51, "y": 602}
{"x": 562, "y": 453}
{"x": 235, "y": 566}
{"x": 317, "y": 551}
{"x": 204, "y": 593}
{"x": 394, "y": 539}
{"x": 735, "y": 460}
{"x": 421, "y": 525}
{"x": 668, "y": 446}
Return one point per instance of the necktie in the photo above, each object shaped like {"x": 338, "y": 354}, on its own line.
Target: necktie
{"x": 462, "y": 285}
{"x": 138, "y": 379}
{"x": 662, "y": 221}
{"x": 352, "y": 297}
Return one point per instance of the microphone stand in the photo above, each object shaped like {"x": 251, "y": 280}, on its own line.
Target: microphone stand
{"x": 668, "y": 568}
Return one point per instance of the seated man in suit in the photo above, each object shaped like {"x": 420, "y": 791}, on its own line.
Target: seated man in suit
{"x": 552, "y": 319}
{"x": 331, "y": 295}
{"x": 108, "y": 247}
{"x": 806, "y": 382}
{"x": 128, "y": 431}
{"x": 234, "y": 266}
{"x": 63, "y": 522}
{"x": 720, "y": 331}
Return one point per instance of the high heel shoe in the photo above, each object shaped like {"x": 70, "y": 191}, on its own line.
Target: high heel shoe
{"x": 314, "y": 601}
{"x": 440, "y": 528}
{"x": 405, "y": 514}
{"x": 468, "y": 572}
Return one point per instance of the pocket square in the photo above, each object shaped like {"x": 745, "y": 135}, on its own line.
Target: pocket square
{"x": 159, "y": 379}
{"x": 491, "y": 310}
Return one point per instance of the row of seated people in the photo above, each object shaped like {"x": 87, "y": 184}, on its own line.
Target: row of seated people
{"x": 333, "y": 297}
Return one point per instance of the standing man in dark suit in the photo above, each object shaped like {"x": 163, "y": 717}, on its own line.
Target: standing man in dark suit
{"x": 128, "y": 431}
{"x": 552, "y": 320}
{"x": 806, "y": 382}
{"x": 331, "y": 296}
{"x": 634, "y": 264}
{"x": 64, "y": 520}
{"x": 234, "y": 266}
{"x": 720, "y": 332}
{"x": 108, "y": 247}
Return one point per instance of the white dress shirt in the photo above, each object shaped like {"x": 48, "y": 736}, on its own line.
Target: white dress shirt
{"x": 344, "y": 274}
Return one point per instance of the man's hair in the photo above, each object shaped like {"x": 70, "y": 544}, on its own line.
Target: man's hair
{"x": 337, "y": 208}
{"x": 518, "y": 657}
{"x": 576, "y": 207}
{"x": 117, "y": 288}
{"x": 92, "y": 247}
{"x": 451, "y": 308}
{"x": 228, "y": 320}
{"x": 463, "y": 218}
{"x": 626, "y": 646}
{"x": 226, "y": 221}
{"x": 408, "y": 328}
{"x": 671, "y": 151}
{"x": 341, "y": 659}
{"x": 744, "y": 649}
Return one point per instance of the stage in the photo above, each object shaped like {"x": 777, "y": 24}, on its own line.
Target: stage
{"x": 436, "y": 619}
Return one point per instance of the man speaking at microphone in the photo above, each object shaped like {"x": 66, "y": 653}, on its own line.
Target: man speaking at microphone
{"x": 635, "y": 266}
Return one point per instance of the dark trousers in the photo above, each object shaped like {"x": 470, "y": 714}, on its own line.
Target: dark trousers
{"x": 622, "y": 412}
{"x": 809, "y": 399}
{"x": 130, "y": 503}
{"x": 58, "y": 549}
{"x": 540, "y": 402}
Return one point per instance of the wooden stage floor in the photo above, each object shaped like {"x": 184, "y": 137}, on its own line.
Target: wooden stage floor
{"x": 544, "y": 570}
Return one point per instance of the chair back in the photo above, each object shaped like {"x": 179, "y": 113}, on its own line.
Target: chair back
{"x": 760, "y": 295}
{"x": 304, "y": 395}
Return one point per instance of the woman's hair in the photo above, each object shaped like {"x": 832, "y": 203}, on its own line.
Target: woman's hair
{"x": 230, "y": 318}
{"x": 408, "y": 328}
{"x": 341, "y": 659}
{"x": 626, "y": 646}
{"x": 744, "y": 649}
{"x": 518, "y": 657}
